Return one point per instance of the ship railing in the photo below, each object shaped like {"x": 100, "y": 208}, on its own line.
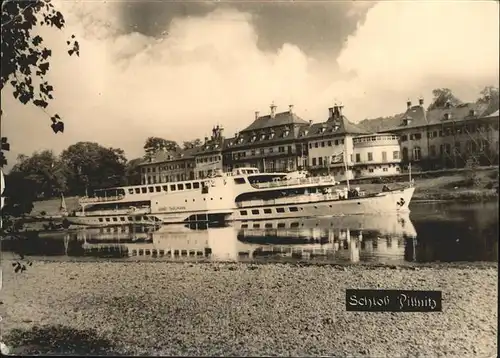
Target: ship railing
{"x": 87, "y": 199}
{"x": 295, "y": 181}
{"x": 114, "y": 212}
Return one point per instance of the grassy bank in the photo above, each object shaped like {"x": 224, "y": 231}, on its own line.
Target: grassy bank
{"x": 237, "y": 309}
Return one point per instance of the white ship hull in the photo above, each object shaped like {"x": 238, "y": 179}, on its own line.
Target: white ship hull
{"x": 396, "y": 201}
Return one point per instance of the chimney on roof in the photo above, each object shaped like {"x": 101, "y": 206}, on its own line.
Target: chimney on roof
{"x": 408, "y": 104}
{"x": 257, "y": 113}
{"x": 336, "y": 112}
{"x": 221, "y": 130}
{"x": 330, "y": 112}
{"x": 273, "y": 110}
{"x": 340, "y": 107}
{"x": 310, "y": 122}
{"x": 206, "y": 139}
{"x": 290, "y": 108}
{"x": 421, "y": 101}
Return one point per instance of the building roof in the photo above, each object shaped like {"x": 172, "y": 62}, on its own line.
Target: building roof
{"x": 494, "y": 114}
{"x": 280, "y": 119}
{"x": 264, "y": 136}
{"x": 170, "y": 156}
{"x": 336, "y": 124}
{"x": 417, "y": 116}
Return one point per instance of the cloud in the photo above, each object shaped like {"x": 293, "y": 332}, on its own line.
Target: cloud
{"x": 211, "y": 68}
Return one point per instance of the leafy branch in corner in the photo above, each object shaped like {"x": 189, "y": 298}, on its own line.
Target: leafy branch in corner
{"x": 25, "y": 59}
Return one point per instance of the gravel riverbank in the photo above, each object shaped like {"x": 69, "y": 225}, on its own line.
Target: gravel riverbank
{"x": 211, "y": 309}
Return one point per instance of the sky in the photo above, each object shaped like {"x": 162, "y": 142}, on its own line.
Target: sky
{"x": 176, "y": 69}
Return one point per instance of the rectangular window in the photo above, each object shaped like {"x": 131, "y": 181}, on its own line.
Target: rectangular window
{"x": 188, "y": 185}
{"x": 196, "y": 185}
{"x": 385, "y": 169}
{"x": 280, "y": 210}
{"x": 404, "y": 138}
{"x": 100, "y": 220}
{"x": 122, "y": 219}
{"x": 115, "y": 219}
{"x": 107, "y": 219}
{"x": 370, "y": 157}
{"x": 172, "y": 187}
{"x": 180, "y": 186}
{"x": 158, "y": 189}
{"x": 293, "y": 209}
{"x": 322, "y": 144}
{"x": 395, "y": 154}
{"x": 384, "y": 156}
{"x": 243, "y": 212}
{"x": 137, "y": 190}
{"x": 151, "y": 189}
{"x": 336, "y": 142}
{"x": 267, "y": 211}
{"x": 329, "y": 143}
{"x": 131, "y": 191}
{"x": 320, "y": 161}
{"x": 313, "y": 161}
{"x": 358, "y": 157}
{"x": 239, "y": 181}
{"x": 144, "y": 190}
{"x": 370, "y": 170}
{"x": 255, "y": 212}
{"x": 316, "y": 145}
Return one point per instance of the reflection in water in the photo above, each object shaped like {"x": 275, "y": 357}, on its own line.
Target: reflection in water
{"x": 445, "y": 233}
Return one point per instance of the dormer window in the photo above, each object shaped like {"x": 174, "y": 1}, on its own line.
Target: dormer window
{"x": 240, "y": 140}
{"x": 472, "y": 113}
{"x": 447, "y": 116}
{"x": 254, "y": 138}
{"x": 262, "y": 136}
{"x": 407, "y": 121}
{"x": 271, "y": 136}
{"x": 286, "y": 133}
{"x": 335, "y": 128}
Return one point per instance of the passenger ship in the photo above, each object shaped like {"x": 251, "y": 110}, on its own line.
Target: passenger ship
{"x": 243, "y": 194}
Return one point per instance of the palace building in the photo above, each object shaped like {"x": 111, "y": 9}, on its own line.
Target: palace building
{"x": 165, "y": 167}
{"x": 270, "y": 143}
{"x": 208, "y": 158}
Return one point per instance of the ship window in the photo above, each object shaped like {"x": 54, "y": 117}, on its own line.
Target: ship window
{"x": 148, "y": 252}
{"x": 130, "y": 218}
{"x": 268, "y": 225}
{"x": 180, "y": 186}
{"x": 145, "y": 218}
{"x": 137, "y": 190}
{"x": 196, "y": 185}
{"x": 100, "y": 220}
{"x": 162, "y": 252}
{"x": 294, "y": 224}
{"x": 131, "y": 191}
{"x": 267, "y": 211}
{"x": 115, "y": 219}
{"x": 293, "y": 209}
{"x": 255, "y": 212}
{"x": 281, "y": 225}
{"x": 244, "y": 226}
{"x": 239, "y": 180}
{"x": 165, "y": 187}
{"x": 188, "y": 185}
{"x": 280, "y": 210}
{"x": 151, "y": 189}
{"x": 172, "y": 187}
{"x": 134, "y": 252}
{"x": 243, "y": 212}
{"x": 158, "y": 189}
{"x": 256, "y": 226}
{"x": 144, "y": 190}
{"x": 107, "y": 219}
{"x": 141, "y": 252}
{"x": 122, "y": 218}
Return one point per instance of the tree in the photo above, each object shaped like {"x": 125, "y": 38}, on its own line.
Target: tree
{"x": 154, "y": 145}
{"x": 133, "y": 171}
{"x": 490, "y": 96}
{"x": 192, "y": 144}
{"x": 25, "y": 60}
{"x": 441, "y": 97}
{"x": 45, "y": 171}
{"x": 91, "y": 166}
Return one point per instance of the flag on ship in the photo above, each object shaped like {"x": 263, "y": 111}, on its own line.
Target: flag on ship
{"x": 338, "y": 158}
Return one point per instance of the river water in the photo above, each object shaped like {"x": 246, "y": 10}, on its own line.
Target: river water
{"x": 432, "y": 232}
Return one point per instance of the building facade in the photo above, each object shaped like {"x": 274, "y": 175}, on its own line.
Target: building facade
{"x": 330, "y": 145}
{"x": 208, "y": 158}
{"x": 447, "y": 137}
{"x": 165, "y": 167}
{"x": 270, "y": 143}
{"x": 376, "y": 155}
